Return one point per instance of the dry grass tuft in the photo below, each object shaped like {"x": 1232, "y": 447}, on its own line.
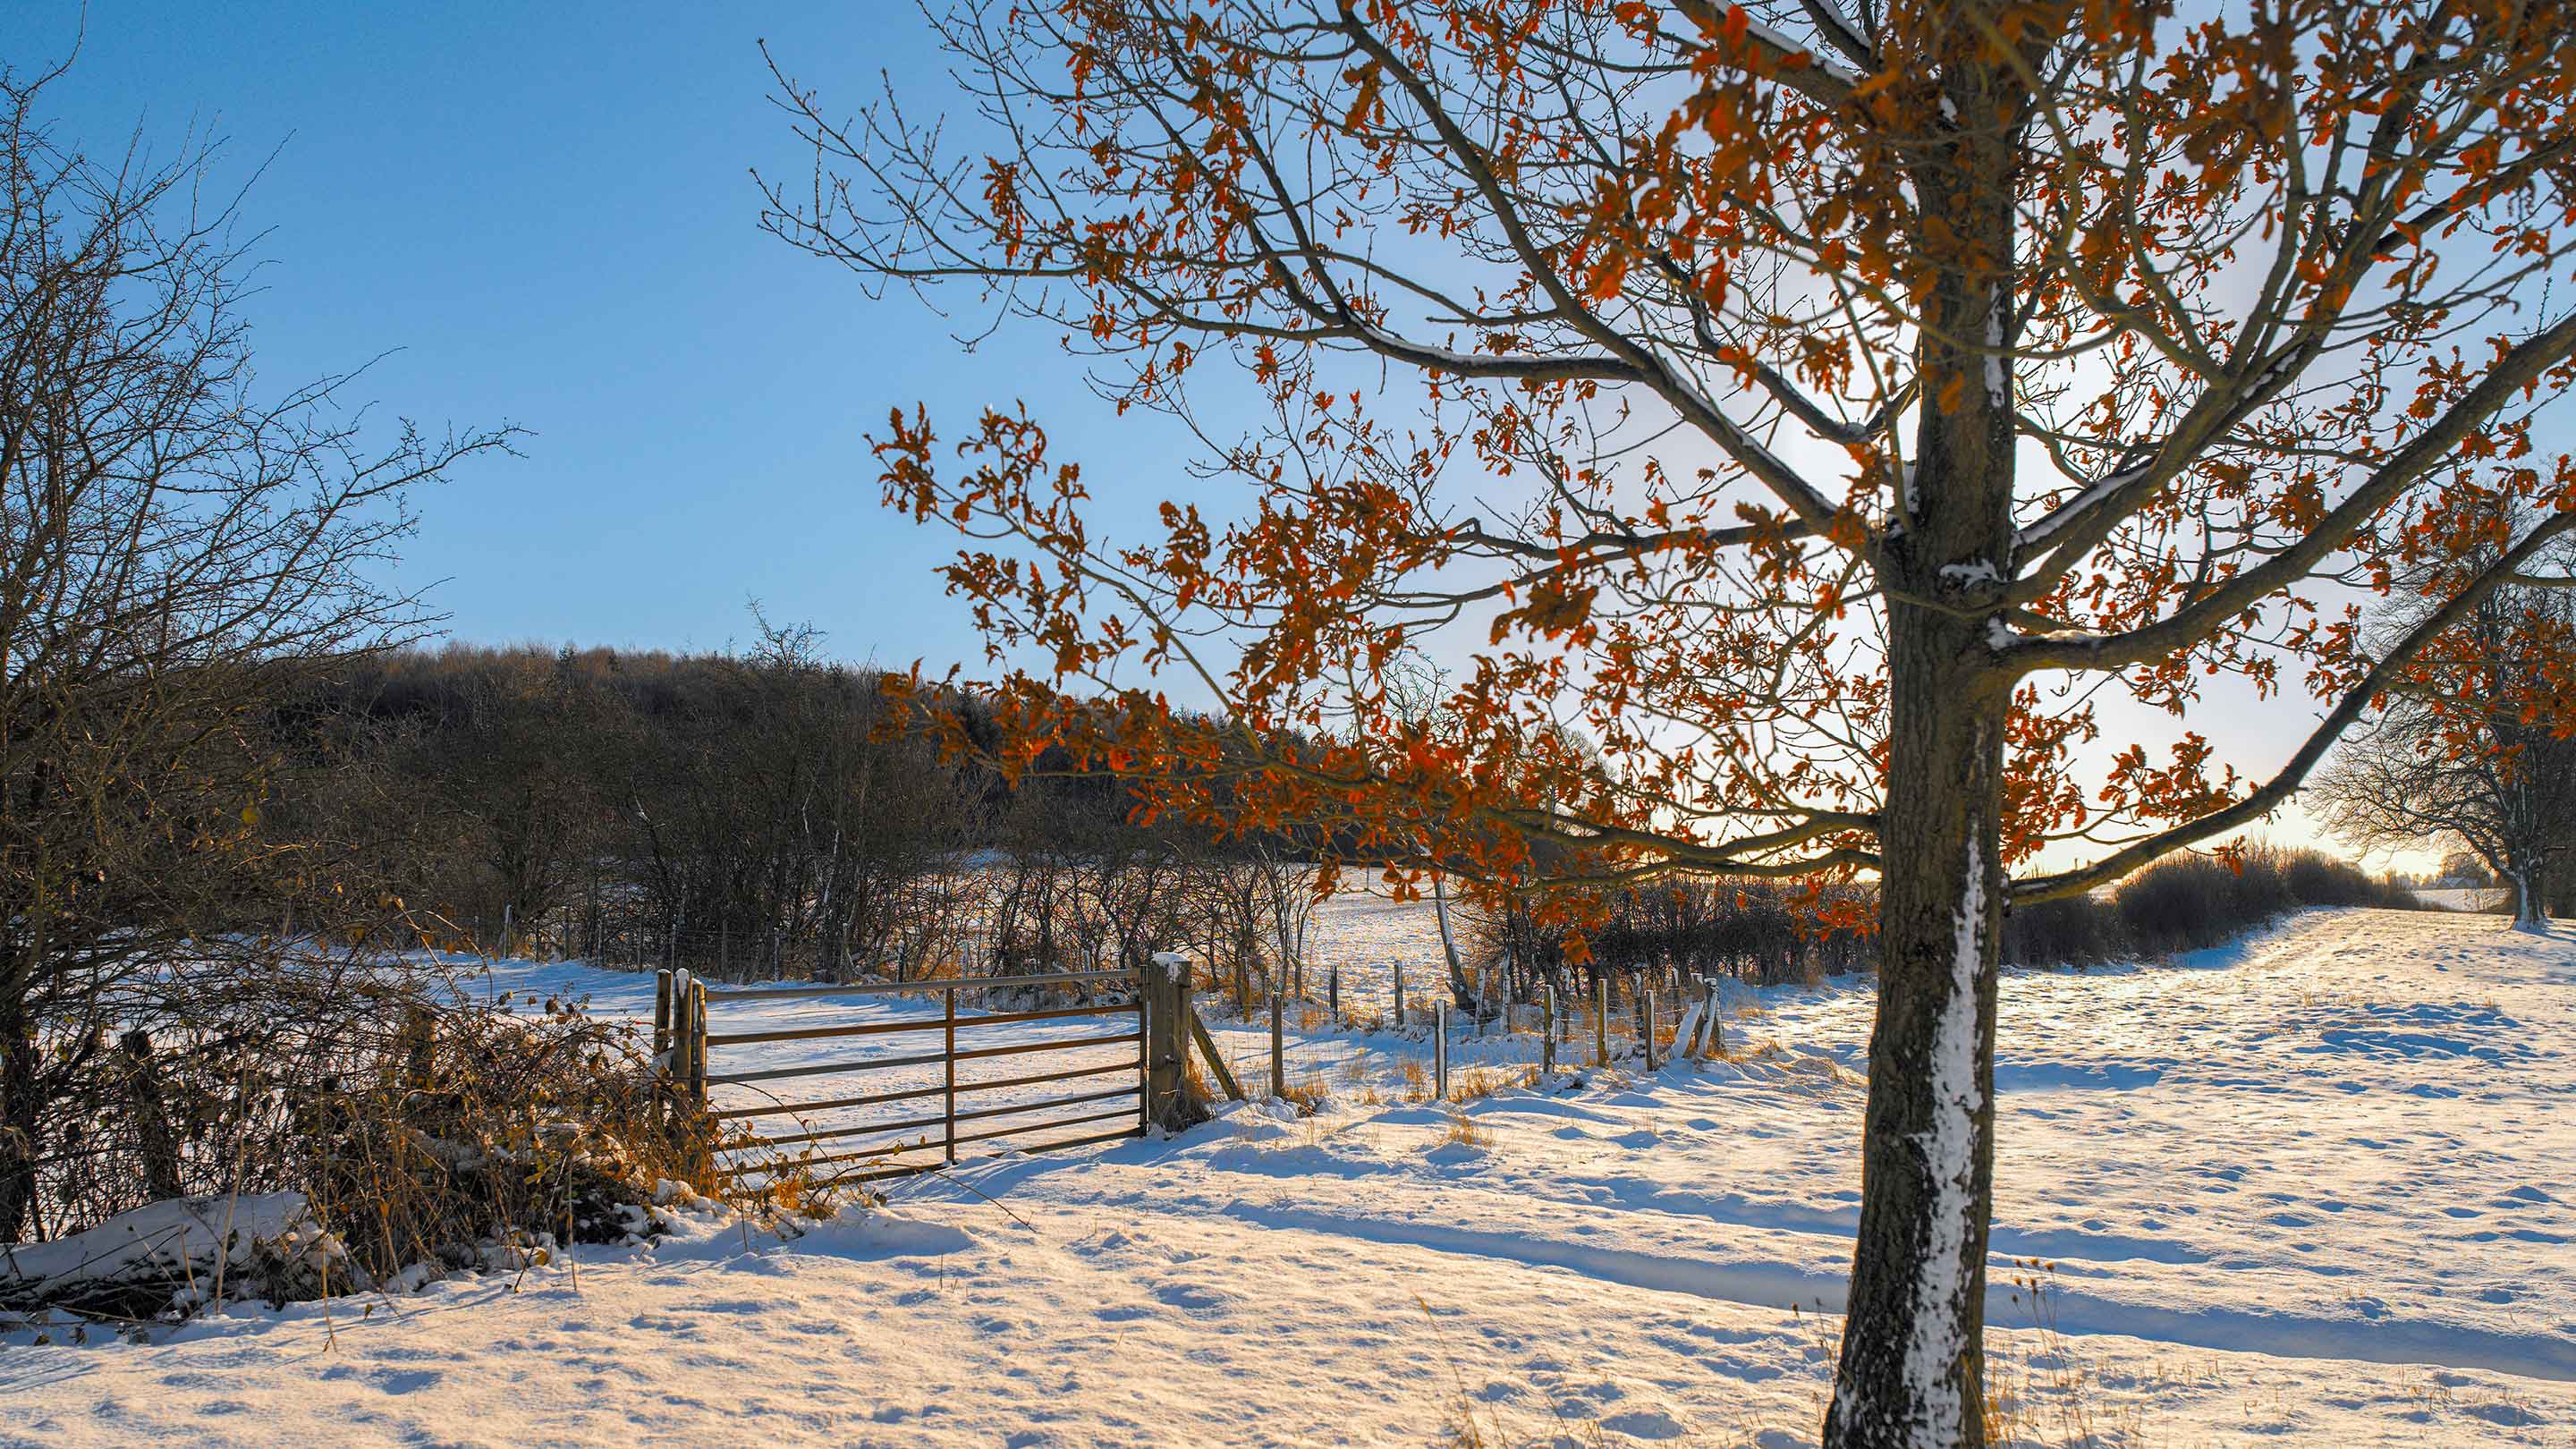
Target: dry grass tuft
{"x": 1463, "y": 1132}
{"x": 1474, "y": 1084}
{"x": 1309, "y": 1094}
{"x": 2040, "y": 1387}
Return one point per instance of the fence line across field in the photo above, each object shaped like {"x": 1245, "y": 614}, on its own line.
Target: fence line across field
{"x": 1296, "y": 1042}
{"x": 1166, "y": 1028}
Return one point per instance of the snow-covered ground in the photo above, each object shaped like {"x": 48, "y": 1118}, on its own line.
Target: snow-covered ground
{"x": 2317, "y": 1189}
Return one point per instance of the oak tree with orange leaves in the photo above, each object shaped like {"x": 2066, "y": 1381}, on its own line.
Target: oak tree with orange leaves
{"x": 1790, "y": 420}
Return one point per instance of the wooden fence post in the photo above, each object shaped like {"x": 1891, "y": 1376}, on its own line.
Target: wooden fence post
{"x": 1184, "y": 1011}
{"x": 948, "y": 1064}
{"x": 1601, "y": 1020}
{"x": 661, "y": 1104}
{"x": 1399, "y": 996}
{"x": 1440, "y": 1050}
{"x": 1278, "y": 1049}
{"x": 679, "y": 1073}
{"x": 1164, "y": 994}
{"x": 1547, "y": 1030}
{"x": 698, "y": 1044}
{"x": 1144, "y": 1054}
{"x": 1333, "y": 992}
{"x": 661, "y": 1018}
{"x": 1646, "y": 1023}
{"x": 1215, "y": 1059}
{"x": 1700, "y": 1011}
{"x": 689, "y": 1072}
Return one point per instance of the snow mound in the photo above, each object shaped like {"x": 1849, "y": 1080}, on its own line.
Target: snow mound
{"x": 193, "y": 1250}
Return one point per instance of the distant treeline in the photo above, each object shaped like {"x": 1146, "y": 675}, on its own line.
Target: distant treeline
{"x": 760, "y": 814}
{"x": 747, "y": 814}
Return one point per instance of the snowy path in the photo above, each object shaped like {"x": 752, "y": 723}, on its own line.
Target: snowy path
{"x": 2314, "y": 1190}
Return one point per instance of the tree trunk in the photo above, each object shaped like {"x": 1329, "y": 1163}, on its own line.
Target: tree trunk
{"x": 1912, "y": 1371}
{"x": 1461, "y": 991}
{"x": 2526, "y": 898}
{"x": 20, "y": 1125}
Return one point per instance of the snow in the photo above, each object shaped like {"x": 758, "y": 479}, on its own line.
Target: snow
{"x": 185, "y": 1236}
{"x": 2057, "y": 520}
{"x": 1782, "y": 42}
{"x": 2000, "y": 635}
{"x": 2318, "y": 1187}
{"x": 1998, "y": 366}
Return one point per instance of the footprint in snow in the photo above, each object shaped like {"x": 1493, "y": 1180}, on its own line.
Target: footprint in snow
{"x": 1645, "y": 1424}
{"x": 1191, "y": 1299}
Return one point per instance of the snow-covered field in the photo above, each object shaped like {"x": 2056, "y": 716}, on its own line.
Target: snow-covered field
{"x": 2317, "y": 1189}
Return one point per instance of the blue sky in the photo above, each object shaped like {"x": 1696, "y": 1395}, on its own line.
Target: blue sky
{"x": 548, "y": 211}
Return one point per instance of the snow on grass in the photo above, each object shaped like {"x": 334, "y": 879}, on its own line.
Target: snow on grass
{"x": 2315, "y": 1189}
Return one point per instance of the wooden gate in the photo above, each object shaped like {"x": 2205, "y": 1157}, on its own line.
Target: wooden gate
{"x": 935, "y": 1109}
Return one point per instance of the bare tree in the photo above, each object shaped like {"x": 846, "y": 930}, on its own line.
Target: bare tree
{"x": 2468, "y": 748}
{"x": 177, "y": 554}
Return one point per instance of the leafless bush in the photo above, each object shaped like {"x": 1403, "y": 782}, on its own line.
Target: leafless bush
{"x": 1753, "y": 931}
{"x": 1765, "y": 935}
{"x": 2191, "y": 902}
{"x": 419, "y": 1128}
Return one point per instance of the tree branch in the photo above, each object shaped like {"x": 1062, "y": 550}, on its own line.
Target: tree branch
{"x": 2286, "y": 783}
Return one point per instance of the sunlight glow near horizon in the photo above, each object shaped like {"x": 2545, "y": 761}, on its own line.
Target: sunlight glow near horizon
{"x": 549, "y": 216}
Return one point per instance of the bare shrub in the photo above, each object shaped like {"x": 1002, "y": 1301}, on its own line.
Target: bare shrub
{"x": 1766, "y": 935}
{"x": 179, "y": 554}
{"x": 419, "y": 1129}
{"x": 2192, "y": 902}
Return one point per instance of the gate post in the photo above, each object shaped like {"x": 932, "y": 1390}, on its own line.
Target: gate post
{"x": 697, "y": 1044}
{"x": 1163, "y": 994}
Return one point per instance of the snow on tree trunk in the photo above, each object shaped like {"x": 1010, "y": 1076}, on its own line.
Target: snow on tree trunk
{"x": 1912, "y": 1366}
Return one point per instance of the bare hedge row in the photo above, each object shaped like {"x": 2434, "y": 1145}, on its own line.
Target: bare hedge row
{"x": 1764, "y": 934}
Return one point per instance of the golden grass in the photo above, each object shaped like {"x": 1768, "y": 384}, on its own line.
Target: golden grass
{"x": 1477, "y": 1083}
{"x": 1463, "y": 1132}
{"x": 2040, "y": 1387}
{"x": 1308, "y": 1093}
